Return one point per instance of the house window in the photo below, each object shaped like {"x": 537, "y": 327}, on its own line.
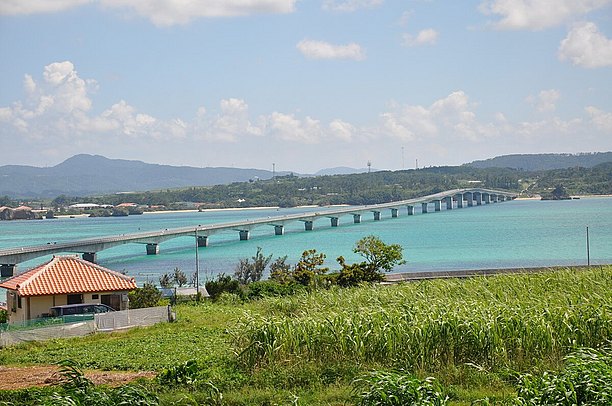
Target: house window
{"x": 75, "y": 299}
{"x": 95, "y": 297}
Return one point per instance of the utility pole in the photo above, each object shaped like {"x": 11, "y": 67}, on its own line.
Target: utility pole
{"x": 588, "y": 248}
{"x": 197, "y": 267}
{"x": 416, "y": 165}
{"x": 369, "y": 166}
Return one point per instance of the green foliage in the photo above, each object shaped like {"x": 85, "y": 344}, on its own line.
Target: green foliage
{"x": 499, "y": 322}
{"x": 382, "y": 388}
{"x": 354, "y": 274}
{"x": 280, "y": 270}
{"x": 181, "y": 374}
{"x": 585, "y": 380}
{"x": 179, "y": 277}
{"x": 249, "y": 272}
{"x": 222, "y": 283}
{"x": 378, "y": 255}
{"x": 271, "y": 288}
{"x": 165, "y": 281}
{"x": 3, "y": 316}
{"x": 308, "y": 269}
{"x": 147, "y": 296}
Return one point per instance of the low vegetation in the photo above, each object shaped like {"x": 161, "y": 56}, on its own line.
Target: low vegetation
{"x": 506, "y": 340}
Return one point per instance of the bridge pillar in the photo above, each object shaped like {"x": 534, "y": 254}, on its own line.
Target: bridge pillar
{"x": 437, "y": 205}
{"x": 394, "y": 213}
{"x": 410, "y": 210}
{"x": 486, "y": 198}
{"x": 7, "y": 270}
{"x": 494, "y": 198}
{"x": 308, "y": 225}
{"x": 357, "y": 218}
{"x": 244, "y": 235}
{"x": 424, "y": 207}
{"x": 376, "y": 215}
{"x": 334, "y": 221}
{"x": 152, "y": 249}
{"x": 478, "y": 197}
{"x": 89, "y": 257}
{"x": 202, "y": 241}
{"x": 469, "y": 198}
{"x": 449, "y": 202}
{"x": 460, "y": 201}
{"x": 279, "y": 230}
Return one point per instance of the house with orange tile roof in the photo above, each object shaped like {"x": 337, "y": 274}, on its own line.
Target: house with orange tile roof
{"x": 62, "y": 281}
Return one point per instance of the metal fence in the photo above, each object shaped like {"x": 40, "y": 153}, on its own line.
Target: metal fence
{"x": 103, "y": 322}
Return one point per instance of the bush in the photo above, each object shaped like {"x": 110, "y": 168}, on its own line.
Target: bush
{"x": 147, "y": 296}
{"x": 223, "y": 283}
{"x": 261, "y": 289}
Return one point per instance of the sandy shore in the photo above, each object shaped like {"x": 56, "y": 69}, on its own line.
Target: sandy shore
{"x": 207, "y": 210}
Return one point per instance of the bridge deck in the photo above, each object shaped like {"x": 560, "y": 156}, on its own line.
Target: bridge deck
{"x": 13, "y": 256}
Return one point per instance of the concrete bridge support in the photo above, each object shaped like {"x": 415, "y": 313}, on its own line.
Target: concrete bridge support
{"x": 460, "y": 201}
{"x": 244, "y": 235}
{"x": 410, "y": 210}
{"x": 394, "y": 213}
{"x": 376, "y": 215}
{"x": 334, "y": 221}
{"x": 202, "y": 241}
{"x": 486, "y": 198}
{"x": 7, "y": 270}
{"x": 437, "y": 205}
{"x": 478, "y": 197}
{"x": 357, "y": 218}
{"x": 424, "y": 207}
{"x": 152, "y": 249}
{"x": 89, "y": 256}
{"x": 279, "y": 230}
{"x": 494, "y": 198}
{"x": 308, "y": 225}
{"x": 449, "y": 202}
{"x": 469, "y": 198}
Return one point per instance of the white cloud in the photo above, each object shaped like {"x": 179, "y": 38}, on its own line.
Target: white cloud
{"x": 173, "y": 12}
{"x": 16, "y": 7}
{"x": 290, "y": 128}
{"x": 325, "y": 50}
{"x": 342, "y": 130}
{"x": 159, "y": 12}
{"x": 452, "y": 117}
{"x": 350, "y": 5}
{"x": 424, "y": 37}
{"x": 231, "y": 123}
{"x": 546, "y": 100}
{"x": 601, "y": 119}
{"x": 537, "y": 14}
{"x": 587, "y": 47}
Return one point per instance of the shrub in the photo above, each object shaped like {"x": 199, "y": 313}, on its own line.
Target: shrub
{"x": 223, "y": 283}
{"x": 147, "y": 296}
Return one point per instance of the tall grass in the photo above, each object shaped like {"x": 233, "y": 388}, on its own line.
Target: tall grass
{"x": 494, "y": 322}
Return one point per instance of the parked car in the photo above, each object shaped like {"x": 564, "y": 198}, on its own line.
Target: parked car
{"x": 78, "y": 309}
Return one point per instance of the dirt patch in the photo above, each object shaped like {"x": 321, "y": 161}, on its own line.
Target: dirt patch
{"x": 26, "y": 377}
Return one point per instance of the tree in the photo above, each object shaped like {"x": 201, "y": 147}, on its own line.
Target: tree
{"x": 147, "y": 296}
{"x": 179, "y": 277}
{"x": 280, "y": 271}
{"x": 308, "y": 269}
{"x": 165, "y": 281}
{"x": 378, "y": 255}
{"x": 249, "y": 272}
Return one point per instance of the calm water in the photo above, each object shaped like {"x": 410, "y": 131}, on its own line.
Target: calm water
{"x": 522, "y": 233}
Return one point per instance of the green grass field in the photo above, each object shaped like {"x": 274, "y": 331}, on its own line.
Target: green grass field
{"x": 477, "y": 337}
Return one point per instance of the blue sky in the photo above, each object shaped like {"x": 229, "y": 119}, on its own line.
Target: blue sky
{"x": 304, "y": 84}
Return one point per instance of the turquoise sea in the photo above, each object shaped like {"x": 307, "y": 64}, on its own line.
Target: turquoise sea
{"x": 520, "y": 233}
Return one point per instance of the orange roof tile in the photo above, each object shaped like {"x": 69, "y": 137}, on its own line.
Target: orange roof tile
{"x": 67, "y": 275}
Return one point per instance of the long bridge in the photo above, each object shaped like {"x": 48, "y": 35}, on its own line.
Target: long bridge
{"x": 450, "y": 199}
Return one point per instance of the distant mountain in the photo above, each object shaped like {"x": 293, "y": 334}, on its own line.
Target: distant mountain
{"x": 341, "y": 170}
{"x": 84, "y": 175}
{"x": 539, "y": 162}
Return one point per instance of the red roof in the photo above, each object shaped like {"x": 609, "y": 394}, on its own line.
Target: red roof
{"x": 67, "y": 275}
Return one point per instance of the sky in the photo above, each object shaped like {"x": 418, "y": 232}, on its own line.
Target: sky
{"x": 303, "y": 85}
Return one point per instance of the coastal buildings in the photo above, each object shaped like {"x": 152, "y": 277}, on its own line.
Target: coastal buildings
{"x": 64, "y": 280}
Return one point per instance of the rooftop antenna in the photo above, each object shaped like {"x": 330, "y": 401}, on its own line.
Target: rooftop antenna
{"x": 369, "y": 166}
